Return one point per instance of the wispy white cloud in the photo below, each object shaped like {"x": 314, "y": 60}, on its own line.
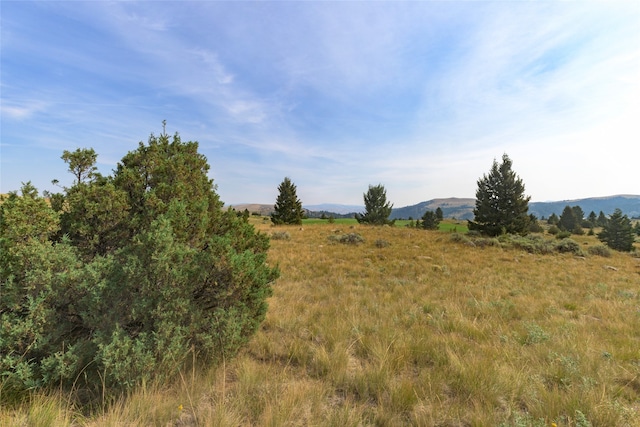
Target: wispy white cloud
{"x": 419, "y": 96}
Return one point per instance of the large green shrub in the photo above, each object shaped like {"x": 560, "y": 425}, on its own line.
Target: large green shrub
{"x": 135, "y": 274}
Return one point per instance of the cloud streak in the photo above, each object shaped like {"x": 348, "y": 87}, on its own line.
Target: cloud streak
{"x": 418, "y": 96}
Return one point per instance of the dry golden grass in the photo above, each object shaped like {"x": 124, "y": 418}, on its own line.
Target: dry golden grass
{"x": 423, "y": 331}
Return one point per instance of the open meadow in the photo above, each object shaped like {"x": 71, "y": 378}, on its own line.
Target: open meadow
{"x": 410, "y": 327}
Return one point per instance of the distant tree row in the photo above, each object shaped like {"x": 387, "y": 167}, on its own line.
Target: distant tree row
{"x": 288, "y": 208}
{"x": 501, "y": 208}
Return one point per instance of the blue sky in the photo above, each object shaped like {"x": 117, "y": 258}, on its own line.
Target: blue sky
{"x": 417, "y": 96}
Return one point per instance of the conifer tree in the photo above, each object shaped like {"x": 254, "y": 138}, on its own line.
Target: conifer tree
{"x": 568, "y": 220}
{"x": 377, "y": 209}
{"x": 501, "y": 206}
{"x": 288, "y": 208}
{"x": 430, "y": 221}
{"x": 602, "y": 219}
{"x": 618, "y": 233}
{"x": 439, "y": 213}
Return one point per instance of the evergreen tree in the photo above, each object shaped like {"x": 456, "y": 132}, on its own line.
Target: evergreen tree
{"x": 288, "y": 208}
{"x": 501, "y": 206}
{"x": 593, "y": 219}
{"x": 579, "y": 214}
{"x": 618, "y": 233}
{"x": 82, "y": 163}
{"x": 636, "y": 228}
{"x": 439, "y": 214}
{"x": 553, "y": 219}
{"x": 430, "y": 221}
{"x": 377, "y": 209}
{"x": 534, "y": 225}
{"x": 148, "y": 268}
{"x": 568, "y": 220}
{"x": 602, "y": 220}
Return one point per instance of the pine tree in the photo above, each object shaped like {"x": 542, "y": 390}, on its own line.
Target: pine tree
{"x": 81, "y": 163}
{"x": 288, "y": 208}
{"x": 602, "y": 220}
{"x": 439, "y": 214}
{"x": 501, "y": 206}
{"x": 377, "y": 209}
{"x": 571, "y": 219}
{"x": 593, "y": 219}
{"x": 430, "y": 221}
{"x": 553, "y": 219}
{"x": 618, "y": 233}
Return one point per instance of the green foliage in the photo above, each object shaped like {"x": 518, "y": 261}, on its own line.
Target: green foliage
{"x": 618, "y": 233}
{"x": 569, "y": 246}
{"x": 81, "y": 163}
{"x": 377, "y": 209}
{"x": 534, "y": 225}
{"x": 599, "y": 250}
{"x": 430, "y": 221}
{"x": 602, "y": 220}
{"x": 439, "y": 213}
{"x": 553, "y": 230}
{"x": 568, "y": 220}
{"x": 501, "y": 206}
{"x": 553, "y": 219}
{"x": 288, "y": 208}
{"x": 137, "y": 272}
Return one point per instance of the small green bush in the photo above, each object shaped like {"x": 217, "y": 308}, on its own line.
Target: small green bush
{"x": 569, "y": 246}
{"x": 484, "y": 242}
{"x": 381, "y": 243}
{"x": 280, "y": 235}
{"x": 600, "y": 250}
{"x": 553, "y": 230}
{"x": 531, "y": 244}
{"x": 563, "y": 235}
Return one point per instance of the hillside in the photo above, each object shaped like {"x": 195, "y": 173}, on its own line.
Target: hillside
{"x": 425, "y": 329}
{"x": 452, "y": 207}
{"x": 462, "y": 208}
{"x": 629, "y": 204}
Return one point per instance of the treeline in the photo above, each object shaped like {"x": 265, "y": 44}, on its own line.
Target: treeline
{"x": 501, "y": 207}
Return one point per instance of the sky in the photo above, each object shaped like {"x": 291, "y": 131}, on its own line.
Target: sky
{"x": 420, "y": 97}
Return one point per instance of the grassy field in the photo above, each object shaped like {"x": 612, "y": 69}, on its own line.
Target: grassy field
{"x": 410, "y": 328}
{"x": 446, "y": 225}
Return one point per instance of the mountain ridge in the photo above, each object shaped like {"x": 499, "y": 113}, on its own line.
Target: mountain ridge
{"x": 462, "y": 208}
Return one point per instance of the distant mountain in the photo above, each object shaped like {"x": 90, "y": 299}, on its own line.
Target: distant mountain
{"x": 462, "y": 208}
{"x": 334, "y": 208}
{"x": 627, "y": 203}
{"x": 452, "y": 207}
